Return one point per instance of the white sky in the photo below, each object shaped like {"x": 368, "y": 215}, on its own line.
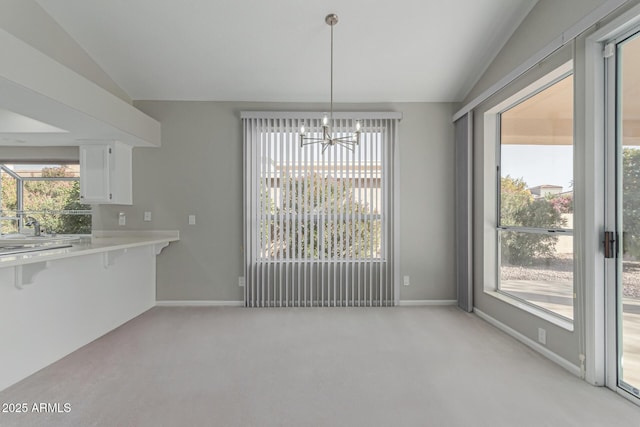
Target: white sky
{"x": 539, "y": 164}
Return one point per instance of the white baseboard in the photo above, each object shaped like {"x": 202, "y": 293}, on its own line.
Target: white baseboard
{"x": 199, "y": 303}
{"x": 425, "y": 302}
{"x": 210, "y": 303}
{"x": 575, "y": 370}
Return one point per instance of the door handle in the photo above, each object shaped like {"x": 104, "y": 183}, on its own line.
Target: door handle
{"x": 610, "y": 240}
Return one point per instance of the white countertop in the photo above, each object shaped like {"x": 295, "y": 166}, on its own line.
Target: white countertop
{"x": 100, "y": 241}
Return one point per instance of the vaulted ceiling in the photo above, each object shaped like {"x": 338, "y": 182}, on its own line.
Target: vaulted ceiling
{"x": 278, "y": 50}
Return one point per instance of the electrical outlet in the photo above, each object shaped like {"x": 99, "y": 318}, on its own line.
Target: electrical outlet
{"x": 542, "y": 336}
{"x": 192, "y": 220}
{"x": 147, "y": 216}
{"x": 240, "y": 281}
{"x": 406, "y": 281}
{"x": 122, "y": 219}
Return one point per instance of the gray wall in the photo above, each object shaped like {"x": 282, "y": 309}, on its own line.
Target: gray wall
{"x": 546, "y": 21}
{"x": 561, "y": 341}
{"x": 198, "y": 170}
{"x": 26, "y": 20}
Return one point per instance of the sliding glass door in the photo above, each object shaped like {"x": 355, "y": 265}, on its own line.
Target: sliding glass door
{"x": 623, "y": 244}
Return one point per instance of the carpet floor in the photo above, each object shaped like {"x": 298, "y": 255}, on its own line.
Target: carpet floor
{"x": 403, "y": 366}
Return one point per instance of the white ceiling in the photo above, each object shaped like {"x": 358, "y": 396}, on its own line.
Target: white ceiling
{"x": 278, "y": 50}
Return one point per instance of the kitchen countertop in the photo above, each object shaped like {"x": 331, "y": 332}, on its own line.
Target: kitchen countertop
{"x": 98, "y": 242}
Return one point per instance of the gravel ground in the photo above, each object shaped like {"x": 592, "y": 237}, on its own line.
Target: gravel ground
{"x": 561, "y": 269}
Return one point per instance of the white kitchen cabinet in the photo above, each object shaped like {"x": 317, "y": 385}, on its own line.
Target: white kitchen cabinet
{"x": 105, "y": 173}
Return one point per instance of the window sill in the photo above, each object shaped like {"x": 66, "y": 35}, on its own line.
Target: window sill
{"x": 556, "y": 320}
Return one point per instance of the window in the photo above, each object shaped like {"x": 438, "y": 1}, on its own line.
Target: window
{"x": 535, "y": 203}
{"x": 327, "y": 208}
{"x": 319, "y": 227}
{"x": 49, "y": 193}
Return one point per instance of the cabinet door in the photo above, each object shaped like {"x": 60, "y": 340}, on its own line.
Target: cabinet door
{"x": 95, "y": 173}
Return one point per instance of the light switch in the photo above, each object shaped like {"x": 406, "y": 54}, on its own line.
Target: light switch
{"x": 192, "y": 220}
{"x": 147, "y": 216}
{"x": 122, "y": 219}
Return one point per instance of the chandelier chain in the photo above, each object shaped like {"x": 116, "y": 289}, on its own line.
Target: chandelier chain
{"x": 331, "y": 78}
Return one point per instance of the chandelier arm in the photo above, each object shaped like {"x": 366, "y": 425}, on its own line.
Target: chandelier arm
{"x": 309, "y": 141}
{"x": 347, "y": 146}
{"x": 350, "y": 139}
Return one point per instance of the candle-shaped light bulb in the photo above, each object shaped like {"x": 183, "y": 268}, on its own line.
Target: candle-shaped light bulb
{"x": 325, "y": 120}
{"x": 302, "y": 130}
{"x": 358, "y": 125}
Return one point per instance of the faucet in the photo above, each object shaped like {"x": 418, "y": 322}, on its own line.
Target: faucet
{"x": 31, "y": 221}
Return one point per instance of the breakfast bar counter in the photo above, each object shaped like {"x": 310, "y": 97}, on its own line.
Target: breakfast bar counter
{"x": 99, "y": 242}
{"x": 54, "y": 301}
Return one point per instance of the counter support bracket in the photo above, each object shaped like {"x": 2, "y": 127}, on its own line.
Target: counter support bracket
{"x": 158, "y": 247}
{"x": 109, "y": 257}
{"x": 24, "y": 274}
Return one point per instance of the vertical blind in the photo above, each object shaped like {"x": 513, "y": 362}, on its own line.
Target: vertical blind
{"x": 319, "y": 227}
{"x": 464, "y": 206}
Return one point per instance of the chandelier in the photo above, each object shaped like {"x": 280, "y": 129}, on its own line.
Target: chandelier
{"x": 328, "y": 140}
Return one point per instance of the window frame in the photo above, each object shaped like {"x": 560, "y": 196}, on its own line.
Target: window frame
{"x": 493, "y": 227}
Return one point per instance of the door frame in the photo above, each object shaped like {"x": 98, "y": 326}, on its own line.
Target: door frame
{"x": 613, "y": 210}
{"x": 600, "y": 316}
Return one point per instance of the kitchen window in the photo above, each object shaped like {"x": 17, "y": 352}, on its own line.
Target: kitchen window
{"x": 43, "y": 194}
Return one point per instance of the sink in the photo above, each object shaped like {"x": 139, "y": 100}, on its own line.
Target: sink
{"x": 32, "y": 248}
{"x": 15, "y": 241}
